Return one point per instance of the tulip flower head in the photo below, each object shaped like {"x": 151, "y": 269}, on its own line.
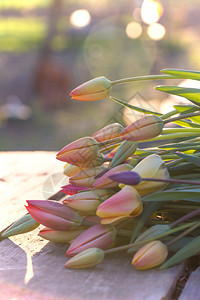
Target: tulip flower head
{"x": 108, "y": 132}
{"x": 92, "y": 90}
{"x": 60, "y": 236}
{"x": 151, "y": 166}
{"x": 125, "y": 203}
{"x": 105, "y": 181}
{"x": 53, "y": 214}
{"x": 86, "y": 259}
{"x": 98, "y": 236}
{"x": 82, "y": 153}
{"x": 143, "y": 129}
{"x": 87, "y": 202}
{"x": 150, "y": 255}
{"x": 71, "y": 189}
{"x": 86, "y": 178}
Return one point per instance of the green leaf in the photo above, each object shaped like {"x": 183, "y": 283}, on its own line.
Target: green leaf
{"x": 126, "y": 149}
{"x": 186, "y": 74}
{"x": 189, "y": 250}
{"x": 191, "y": 94}
{"x": 180, "y": 145}
{"x": 142, "y": 110}
{"x": 188, "y": 124}
{"x": 174, "y": 194}
{"x": 185, "y": 109}
{"x": 148, "y": 211}
{"x": 191, "y": 158}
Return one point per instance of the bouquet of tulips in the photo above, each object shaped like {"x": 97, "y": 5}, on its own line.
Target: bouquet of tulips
{"x": 135, "y": 188}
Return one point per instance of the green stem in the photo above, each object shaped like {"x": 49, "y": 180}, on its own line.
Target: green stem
{"x": 169, "y": 114}
{"x": 181, "y": 181}
{"x": 111, "y": 141}
{"x": 142, "y": 78}
{"x": 183, "y": 116}
{"x": 172, "y": 136}
{"x": 183, "y": 234}
{"x": 175, "y": 130}
{"x": 166, "y": 233}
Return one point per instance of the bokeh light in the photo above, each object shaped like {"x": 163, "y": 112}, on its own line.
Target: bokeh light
{"x": 151, "y": 11}
{"x": 133, "y": 30}
{"x": 156, "y": 31}
{"x": 80, "y": 18}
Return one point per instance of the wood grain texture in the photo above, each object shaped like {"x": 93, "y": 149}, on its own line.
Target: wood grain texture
{"x": 32, "y": 268}
{"x": 192, "y": 287}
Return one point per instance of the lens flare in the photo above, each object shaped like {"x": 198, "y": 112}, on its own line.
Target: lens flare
{"x": 133, "y": 30}
{"x": 151, "y": 11}
{"x": 156, "y": 31}
{"x": 80, "y": 18}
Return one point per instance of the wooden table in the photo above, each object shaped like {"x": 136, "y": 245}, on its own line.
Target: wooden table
{"x": 32, "y": 268}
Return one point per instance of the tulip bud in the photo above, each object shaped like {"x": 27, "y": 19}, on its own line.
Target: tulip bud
{"x": 125, "y": 150}
{"x": 108, "y": 132}
{"x": 150, "y": 255}
{"x": 127, "y": 177}
{"x": 71, "y": 189}
{"x": 81, "y": 152}
{"x": 95, "y": 89}
{"x": 58, "y": 236}
{"x": 150, "y": 233}
{"x": 123, "y": 204}
{"x": 87, "y": 202}
{"x": 151, "y": 166}
{"x": 86, "y": 178}
{"x": 71, "y": 170}
{"x": 97, "y": 236}
{"x": 23, "y": 225}
{"x": 53, "y": 214}
{"x": 143, "y": 129}
{"x": 105, "y": 181}
{"x": 86, "y": 259}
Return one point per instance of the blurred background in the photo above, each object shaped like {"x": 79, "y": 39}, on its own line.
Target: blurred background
{"x": 48, "y": 47}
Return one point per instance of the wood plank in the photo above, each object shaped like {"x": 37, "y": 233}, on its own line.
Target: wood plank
{"x": 192, "y": 287}
{"x": 32, "y": 268}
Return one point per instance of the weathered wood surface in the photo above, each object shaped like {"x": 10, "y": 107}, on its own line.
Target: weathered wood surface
{"x": 192, "y": 287}
{"x": 32, "y": 268}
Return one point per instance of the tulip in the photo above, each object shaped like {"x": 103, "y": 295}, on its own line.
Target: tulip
{"x": 82, "y": 153}
{"x": 95, "y": 89}
{"x": 150, "y": 233}
{"x": 151, "y": 166}
{"x": 150, "y": 255}
{"x": 86, "y": 259}
{"x": 143, "y": 129}
{"x": 71, "y": 170}
{"x": 71, "y": 189}
{"x": 23, "y": 225}
{"x": 59, "y": 236}
{"x": 108, "y": 132}
{"x": 127, "y": 177}
{"x": 87, "y": 202}
{"x": 98, "y": 236}
{"x": 53, "y": 214}
{"x": 125, "y": 203}
{"x": 86, "y": 178}
{"x": 106, "y": 182}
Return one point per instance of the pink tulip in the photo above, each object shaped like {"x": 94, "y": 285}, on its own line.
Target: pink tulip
{"x": 71, "y": 189}
{"x": 82, "y": 153}
{"x": 86, "y": 178}
{"x": 53, "y": 214}
{"x": 123, "y": 204}
{"x": 105, "y": 181}
{"x": 95, "y": 89}
{"x": 108, "y": 132}
{"x": 98, "y": 236}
